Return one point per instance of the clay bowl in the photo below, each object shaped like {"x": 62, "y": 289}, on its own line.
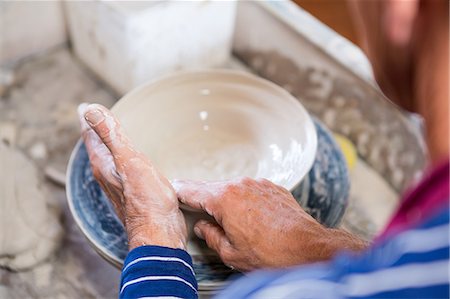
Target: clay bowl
{"x": 221, "y": 124}
{"x": 203, "y": 125}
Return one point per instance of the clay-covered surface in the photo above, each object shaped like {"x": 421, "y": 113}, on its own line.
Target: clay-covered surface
{"x": 38, "y": 117}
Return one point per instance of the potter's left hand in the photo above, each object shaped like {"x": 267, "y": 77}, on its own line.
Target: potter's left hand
{"x": 143, "y": 199}
{"x": 260, "y": 224}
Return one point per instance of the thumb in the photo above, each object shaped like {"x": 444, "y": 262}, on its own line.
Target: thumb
{"x": 215, "y": 238}
{"x": 199, "y": 196}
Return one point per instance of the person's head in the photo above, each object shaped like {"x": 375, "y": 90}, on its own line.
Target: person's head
{"x": 407, "y": 43}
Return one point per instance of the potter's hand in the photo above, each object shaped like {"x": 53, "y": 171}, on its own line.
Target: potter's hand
{"x": 259, "y": 224}
{"x": 143, "y": 199}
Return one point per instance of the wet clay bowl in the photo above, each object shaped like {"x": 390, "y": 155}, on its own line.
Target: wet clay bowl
{"x": 220, "y": 124}
{"x": 204, "y": 125}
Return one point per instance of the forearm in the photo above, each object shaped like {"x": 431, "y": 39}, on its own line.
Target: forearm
{"x": 342, "y": 240}
{"x": 312, "y": 242}
{"x": 155, "y": 271}
{"x": 324, "y": 245}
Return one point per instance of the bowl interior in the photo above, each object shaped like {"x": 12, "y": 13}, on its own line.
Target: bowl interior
{"x": 212, "y": 125}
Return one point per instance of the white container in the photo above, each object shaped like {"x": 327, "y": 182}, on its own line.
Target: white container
{"x": 128, "y": 43}
{"x": 29, "y": 27}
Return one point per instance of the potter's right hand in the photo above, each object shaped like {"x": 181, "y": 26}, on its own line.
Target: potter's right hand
{"x": 143, "y": 199}
{"x": 260, "y": 225}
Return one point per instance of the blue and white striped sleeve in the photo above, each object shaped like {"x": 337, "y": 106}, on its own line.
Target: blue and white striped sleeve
{"x": 413, "y": 264}
{"x": 156, "y": 271}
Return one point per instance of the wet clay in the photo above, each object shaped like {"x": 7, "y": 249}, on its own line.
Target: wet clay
{"x": 29, "y": 227}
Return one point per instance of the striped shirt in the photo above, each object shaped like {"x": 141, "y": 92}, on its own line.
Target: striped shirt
{"x": 155, "y": 271}
{"x": 410, "y": 259}
{"x": 414, "y": 264}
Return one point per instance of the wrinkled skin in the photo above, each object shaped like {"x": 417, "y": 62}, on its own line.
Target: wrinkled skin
{"x": 143, "y": 199}
{"x": 260, "y": 225}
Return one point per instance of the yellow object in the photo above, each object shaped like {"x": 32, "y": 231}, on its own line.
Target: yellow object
{"x": 348, "y": 149}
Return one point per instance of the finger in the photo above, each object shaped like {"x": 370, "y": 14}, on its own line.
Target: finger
{"x": 107, "y": 127}
{"x": 90, "y": 138}
{"x": 200, "y": 195}
{"x": 99, "y": 155}
{"x": 112, "y": 194}
{"x": 215, "y": 238}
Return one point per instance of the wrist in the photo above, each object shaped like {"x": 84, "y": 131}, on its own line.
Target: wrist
{"x": 154, "y": 234}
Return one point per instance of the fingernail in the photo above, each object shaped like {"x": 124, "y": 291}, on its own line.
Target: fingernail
{"x": 198, "y": 232}
{"x": 94, "y": 117}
